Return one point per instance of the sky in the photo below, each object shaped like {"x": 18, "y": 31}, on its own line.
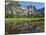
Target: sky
{"x": 38, "y": 5}
{"x": 30, "y": 0}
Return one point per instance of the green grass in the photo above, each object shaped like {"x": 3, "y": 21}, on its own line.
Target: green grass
{"x": 13, "y": 20}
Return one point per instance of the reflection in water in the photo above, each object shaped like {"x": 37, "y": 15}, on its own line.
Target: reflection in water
{"x": 23, "y": 27}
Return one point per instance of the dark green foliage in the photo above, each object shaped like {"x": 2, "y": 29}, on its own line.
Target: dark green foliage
{"x": 24, "y": 16}
{"x": 37, "y": 16}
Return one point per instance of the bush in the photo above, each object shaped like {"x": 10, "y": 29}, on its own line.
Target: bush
{"x": 37, "y": 16}
{"x": 24, "y": 16}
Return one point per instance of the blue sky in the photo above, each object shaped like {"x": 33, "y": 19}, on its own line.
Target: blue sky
{"x": 38, "y": 5}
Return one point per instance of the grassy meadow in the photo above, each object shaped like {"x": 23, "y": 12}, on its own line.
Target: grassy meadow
{"x": 12, "y": 20}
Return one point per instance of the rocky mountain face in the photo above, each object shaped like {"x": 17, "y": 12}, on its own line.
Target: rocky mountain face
{"x": 35, "y": 10}
{"x": 41, "y": 10}
{"x": 38, "y": 11}
{"x": 29, "y": 9}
